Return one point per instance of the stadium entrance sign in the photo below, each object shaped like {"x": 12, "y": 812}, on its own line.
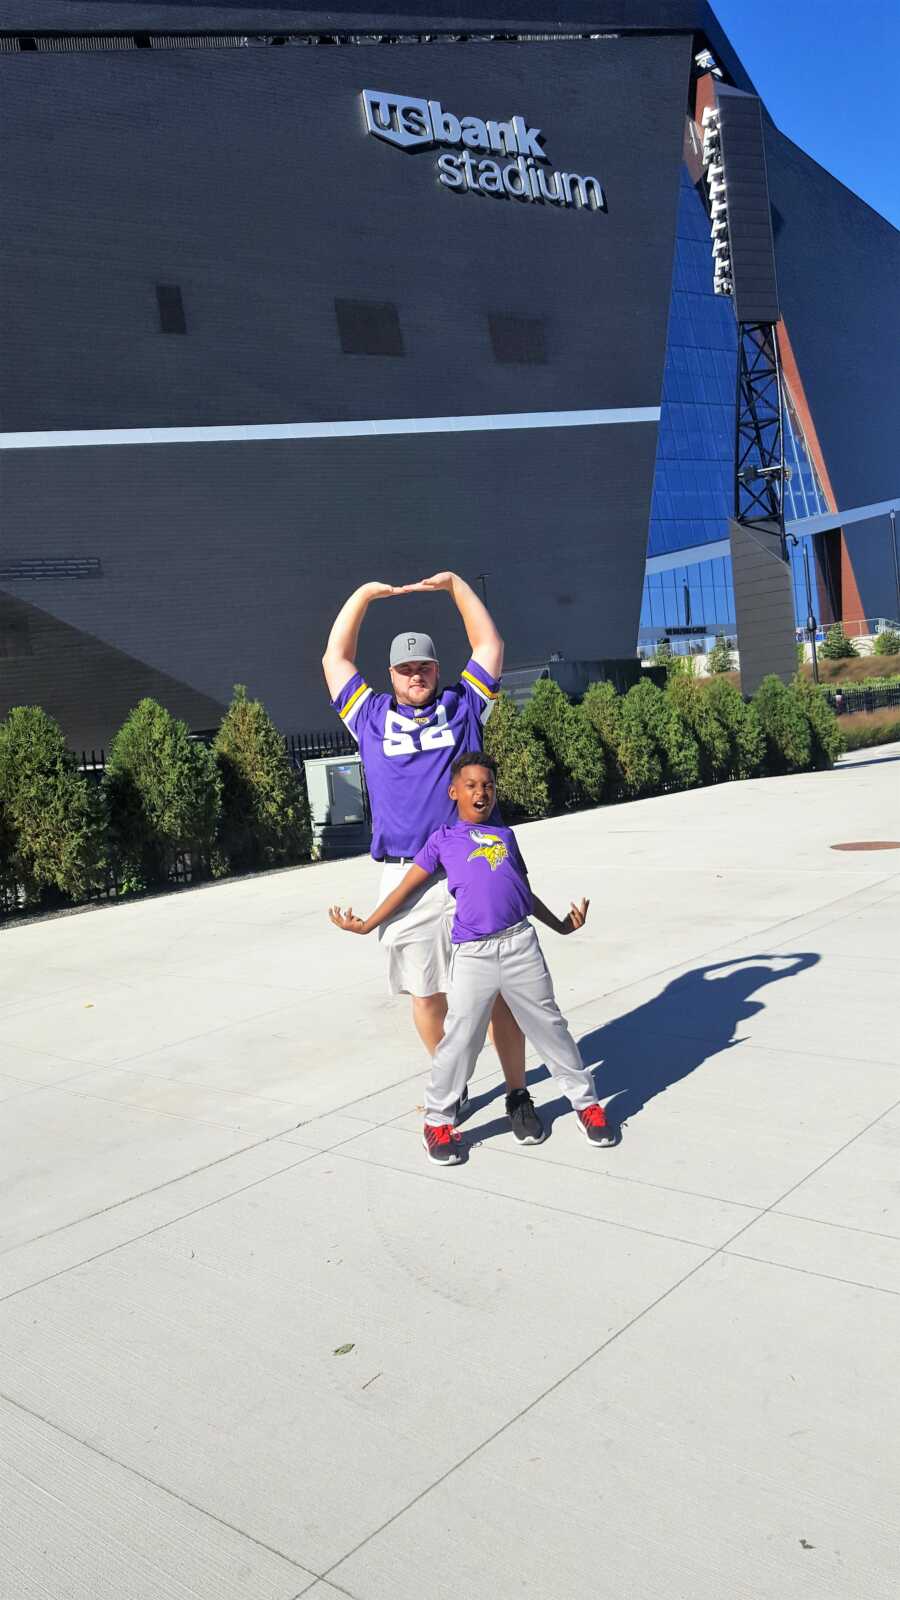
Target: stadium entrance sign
{"x": 506, "y": 159}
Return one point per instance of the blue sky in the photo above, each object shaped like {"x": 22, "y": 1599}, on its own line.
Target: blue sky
{"x": 829, "y": 74}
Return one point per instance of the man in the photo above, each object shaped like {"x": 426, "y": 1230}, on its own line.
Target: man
{"x": 407, "y": 741}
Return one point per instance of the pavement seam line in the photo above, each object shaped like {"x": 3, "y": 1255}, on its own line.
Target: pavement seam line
{"x": 162, "y": 1488}
{"x": 812, "y": 1272}
{"x": 524, "y": 1200}
{"x": 614, "y": 1177}
{"x": 844, "y": 1227}
{"x": 699, "y": 1266}
{"x": 159, "y": 1227}
{"x": 557, "y": 1384}
{"x": 681, "y": 966}
{"x": 171, "y": 1222}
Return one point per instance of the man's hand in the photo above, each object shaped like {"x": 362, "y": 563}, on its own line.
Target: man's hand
{"x": 346, "y": 920}
{"x": 339, "y": 660}
{"x": 383, "y": 591}
{"x": 440, "y": 580}
{"x": 577, "y": 917}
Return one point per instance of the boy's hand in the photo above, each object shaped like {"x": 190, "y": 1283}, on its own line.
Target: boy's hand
{"x": 346, "y": 920}
{"x": 577, "y": 917}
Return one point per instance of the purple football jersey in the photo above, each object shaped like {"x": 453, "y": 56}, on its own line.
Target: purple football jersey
{"x": 407, "y": 752}
{"x": 485, "y": 875}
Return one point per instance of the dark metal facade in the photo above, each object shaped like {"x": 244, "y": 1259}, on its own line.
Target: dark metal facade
{"x": 245, "y": 180}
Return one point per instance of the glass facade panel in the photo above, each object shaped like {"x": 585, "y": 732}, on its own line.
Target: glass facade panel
{"x": 693, "y": 483}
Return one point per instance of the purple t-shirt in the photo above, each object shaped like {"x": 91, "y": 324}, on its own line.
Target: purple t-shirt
{"x": 485, "y": 875}
{"x": 407, "y": 752}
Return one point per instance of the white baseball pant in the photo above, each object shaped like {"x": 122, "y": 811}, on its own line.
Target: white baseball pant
{"x": 510, "y": 963}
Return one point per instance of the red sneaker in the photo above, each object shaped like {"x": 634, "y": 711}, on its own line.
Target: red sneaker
{"x": 442, "y": 1144}
{"x": 593, "y": 1124}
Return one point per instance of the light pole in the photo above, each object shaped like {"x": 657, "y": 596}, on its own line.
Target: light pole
{"x": 810, "y": 618}
{"x": 893, "y": 517}
{"x": 810, "y": 615}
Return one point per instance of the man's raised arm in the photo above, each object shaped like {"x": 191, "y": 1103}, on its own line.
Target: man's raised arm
{"x": 339, "y": 660}
{"x": 485, "y": 642}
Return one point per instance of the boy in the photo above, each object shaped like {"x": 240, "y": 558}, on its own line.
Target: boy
{"x": 495, "y": 951}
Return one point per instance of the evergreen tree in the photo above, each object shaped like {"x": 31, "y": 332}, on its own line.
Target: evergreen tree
{"x": 827, "y": 741}
{"x": 641, "y": 747}
{"x": 741, "y": 724}
{"x": 689, "y": 699}
{"x": 523, "y": 766}
{"x": 577, "y": 771}
{"x": 785, "y": 727}
{"x": 265, "y": 818}
{"x": 887, "y": 643}
{"x": 164, "y": 796}
{"x": 51, "y": 818}
{"x": 602, "y": 707}
{"x": 837, "y": 646}
{"x": 720, "y": 658}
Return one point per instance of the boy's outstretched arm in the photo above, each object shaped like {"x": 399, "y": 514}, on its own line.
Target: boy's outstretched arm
{"x": 391, "y": 903}
{"x": 576, "y": 918}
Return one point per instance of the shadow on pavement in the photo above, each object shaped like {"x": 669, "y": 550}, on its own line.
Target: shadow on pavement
{"x": 871, "y": 761}
{"x": 664, "y": 1040}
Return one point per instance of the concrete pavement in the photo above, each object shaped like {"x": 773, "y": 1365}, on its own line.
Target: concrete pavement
{"x": 253, "y": 1346}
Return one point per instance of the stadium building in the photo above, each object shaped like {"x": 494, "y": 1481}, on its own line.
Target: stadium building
{"x": 297, "y": 298}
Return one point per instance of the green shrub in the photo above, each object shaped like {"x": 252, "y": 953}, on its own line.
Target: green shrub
{"x": 681, "y": 748}
{"x": 691, "y": 702}
{"x": 602, "y": 709}
{"x": 523, "y": 766}
{"x": 720, "y": 658}
{"x": 52, "y": 819}
{"x": 785, "y": 726}
{"x": 837, "y": 646}
{"x": 577, "y": 770}
{"x": 742, "y": 728}
{"x": 657, "y": 749}
{"x": 887, "y": 643}
{"x": 265, "y": 819}
{"x": 641, "y": 753}
{"x": 826, "y": 738}
{"x": 677, "y": 666}
{"x": 163, "y": 792}
{"x": 8, "y": 887}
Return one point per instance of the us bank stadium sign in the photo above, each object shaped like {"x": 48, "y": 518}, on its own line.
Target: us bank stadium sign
{"x": 506, "y": 159}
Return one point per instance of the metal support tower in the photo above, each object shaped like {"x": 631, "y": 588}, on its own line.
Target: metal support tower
{"x": 759, "y": 464}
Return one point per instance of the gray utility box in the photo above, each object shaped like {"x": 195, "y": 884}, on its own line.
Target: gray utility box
{"x": 573, "y": 677}
{"x": 339, "y": 805}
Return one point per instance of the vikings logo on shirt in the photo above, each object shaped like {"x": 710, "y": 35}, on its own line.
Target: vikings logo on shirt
{"x": 490, "y": 847}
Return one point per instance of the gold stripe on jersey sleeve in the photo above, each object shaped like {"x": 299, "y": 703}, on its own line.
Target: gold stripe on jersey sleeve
{"x": 488, "y": 694}
{"x": 352, "y": 701}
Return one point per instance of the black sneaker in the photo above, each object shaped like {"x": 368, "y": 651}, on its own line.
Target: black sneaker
{"x": 595, "y": 1127}
{"x": 526, "y": 1124}
{"x": 442, "y": 1144}
{"x": 461, "y": 1109}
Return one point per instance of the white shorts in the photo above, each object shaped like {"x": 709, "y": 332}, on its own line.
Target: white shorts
{"x": 417, "y": 938}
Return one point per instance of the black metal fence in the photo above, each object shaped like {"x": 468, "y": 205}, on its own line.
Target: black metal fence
{"x": 186, "y": 866}
{"x": 300, "y": 747}
{"x": 846, "y": 701}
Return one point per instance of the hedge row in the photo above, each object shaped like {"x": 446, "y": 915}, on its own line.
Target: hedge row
{"x": 165, "y": 800}
{"x": 612, "y": 747}
{"x": 239, "y": 805}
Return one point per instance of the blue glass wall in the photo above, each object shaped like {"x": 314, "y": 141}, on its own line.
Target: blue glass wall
{"x": 692, "y": 490}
